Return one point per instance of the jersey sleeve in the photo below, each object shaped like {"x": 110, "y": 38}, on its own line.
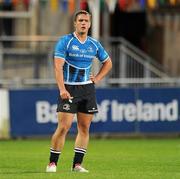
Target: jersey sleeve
{"x": 102, "y": 55}
{"x": 60, "y": 48}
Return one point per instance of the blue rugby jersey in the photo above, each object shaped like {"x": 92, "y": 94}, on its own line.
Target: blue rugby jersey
{"x": 78, "y": 57}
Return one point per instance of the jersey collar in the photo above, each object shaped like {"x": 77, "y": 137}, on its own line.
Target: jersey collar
{"x": 74, "y": 34}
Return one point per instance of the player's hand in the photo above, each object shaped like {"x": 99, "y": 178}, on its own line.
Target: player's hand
{"x": 94, "y": 79}
{"x": 65, "y": 94}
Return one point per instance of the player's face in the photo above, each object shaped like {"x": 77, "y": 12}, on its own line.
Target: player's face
{"x": 82, "y": 24}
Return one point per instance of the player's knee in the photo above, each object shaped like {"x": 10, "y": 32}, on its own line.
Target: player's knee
{"x": 84, "y": 130}
{"x": 63, "y": 130}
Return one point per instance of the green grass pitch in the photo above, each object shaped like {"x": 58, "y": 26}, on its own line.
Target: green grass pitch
{"x": 105, "y": 159}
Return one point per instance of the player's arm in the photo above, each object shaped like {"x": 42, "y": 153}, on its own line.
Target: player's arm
{"x": 58, "y": 69}
{"x": 105, "y": 68}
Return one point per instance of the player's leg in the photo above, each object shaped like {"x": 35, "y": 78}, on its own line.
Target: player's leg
{"x": 82, "y": 139}
{"x": 58, "y": 139}
{"x": 86, "y": 108}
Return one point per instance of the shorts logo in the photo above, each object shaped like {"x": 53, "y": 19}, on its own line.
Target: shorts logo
{"x": 66, "y": 107}
{"x": 93, "y": 110}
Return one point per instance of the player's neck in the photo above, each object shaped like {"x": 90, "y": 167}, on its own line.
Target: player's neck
{"x": 81, "y": 37}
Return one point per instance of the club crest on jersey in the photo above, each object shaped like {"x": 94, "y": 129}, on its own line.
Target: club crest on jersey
{"x": 75, "y": 47}
{"x": 90, "y": 49}
{"x": 66, "y": 107}
{"x": 83, "y": 51}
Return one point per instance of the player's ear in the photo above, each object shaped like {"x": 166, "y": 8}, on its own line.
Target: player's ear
{"x": 75, "y": 24}
{"x": 89, "y": 24}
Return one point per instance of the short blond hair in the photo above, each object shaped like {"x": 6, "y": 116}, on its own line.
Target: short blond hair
{"x": 81, "y": 12}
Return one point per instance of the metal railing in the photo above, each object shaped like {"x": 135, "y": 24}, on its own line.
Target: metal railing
{"x": 133, "y": 67}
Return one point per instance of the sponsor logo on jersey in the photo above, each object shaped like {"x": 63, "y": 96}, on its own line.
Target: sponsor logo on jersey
{"x": 75, "y": 47}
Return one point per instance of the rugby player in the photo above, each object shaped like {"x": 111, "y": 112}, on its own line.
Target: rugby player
{"x": 73, "y": 57}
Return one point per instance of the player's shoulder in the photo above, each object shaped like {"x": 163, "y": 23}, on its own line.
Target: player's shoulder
{"x": 65, "y": 38}
{"x": 94, "y": 41}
